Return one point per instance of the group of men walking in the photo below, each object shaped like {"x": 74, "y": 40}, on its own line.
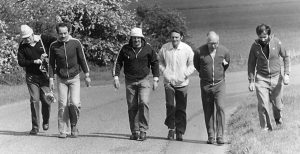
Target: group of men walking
{"x": 176, "y": 61}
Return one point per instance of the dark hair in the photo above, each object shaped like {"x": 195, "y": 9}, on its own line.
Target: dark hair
{"x": 62, "y": 24}
{"x": 263, "y": 28}
{"x": 176, "y": 31}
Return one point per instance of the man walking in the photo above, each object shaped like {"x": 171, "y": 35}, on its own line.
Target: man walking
{"x": 138, "y": 58}
{"x": 67, "y": 59}
{"x": 30, "y": 51}
{"x": 211, "y": 61}
{"x": 264, "y": 74}
{"x": 176, "y": 64}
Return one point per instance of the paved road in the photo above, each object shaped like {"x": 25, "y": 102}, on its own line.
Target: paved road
{"x": 104, "y": 124}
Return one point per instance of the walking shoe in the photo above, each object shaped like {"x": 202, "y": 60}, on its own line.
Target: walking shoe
{"x": 210, "y": 140}
{"x": 34, "y": 131}
{"x": 278, "y": 121}
{"x": 62, "y": 135}
{"x": 171, "y": 134}
{"x": 134, "y": 136}
{"x": 179, "y": 136}
{"x": 45, "y": 126}
{"x": 143, "y": 136}
{"x": 74, "y": 132}
{"x": 220, "y": 140}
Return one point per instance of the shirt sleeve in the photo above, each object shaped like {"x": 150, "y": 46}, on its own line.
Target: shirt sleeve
{"x": 154, "y": 64}
{"x": 251, "y": 64}
{"x": 118, "y": 64}
{"x": 81, "y": 56}
{"x": 196, "y": 60}
{"x": 286, "y": 58}
{"x": 51, "y": 61}
{"x": 190, "y": 63}
{"x": 22, "y": 61}
{"x": 227, "y": 59}
{"x": 161, "y": 60}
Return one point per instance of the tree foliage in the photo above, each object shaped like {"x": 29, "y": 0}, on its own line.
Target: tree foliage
{"x": 157, "y": 23}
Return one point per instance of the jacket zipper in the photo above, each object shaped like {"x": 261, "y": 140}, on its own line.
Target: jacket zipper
{"x": 136, "y": 54}
{"x": 269, "y": 71}
{"x": 66, "y": 60}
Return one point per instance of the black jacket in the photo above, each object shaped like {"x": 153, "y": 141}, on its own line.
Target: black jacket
{"x": 137, "y": 64}
{"x": 67, "y": 59}
{"x": 27, "y": 54}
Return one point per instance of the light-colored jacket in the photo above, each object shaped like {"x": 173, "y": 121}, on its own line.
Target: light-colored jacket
{"x": 176, "y": 64}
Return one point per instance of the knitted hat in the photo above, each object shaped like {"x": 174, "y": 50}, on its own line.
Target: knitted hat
{"x": 26, "y": 31}
{"x": 137, "y": 32}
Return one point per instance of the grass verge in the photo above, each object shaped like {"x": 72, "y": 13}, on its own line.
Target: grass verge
{"x": 245, "y": 134}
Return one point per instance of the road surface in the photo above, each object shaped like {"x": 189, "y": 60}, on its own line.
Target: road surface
{"x": 104, "y": 126}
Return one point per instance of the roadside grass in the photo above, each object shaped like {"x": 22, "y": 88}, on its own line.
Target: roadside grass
{"x": 245, "y": 135}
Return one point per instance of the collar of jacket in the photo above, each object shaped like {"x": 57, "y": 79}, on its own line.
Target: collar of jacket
{"x": 36, "y": 38}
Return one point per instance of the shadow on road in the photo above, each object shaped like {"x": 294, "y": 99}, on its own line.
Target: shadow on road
{"x": 126, "y": 137}
{"x": 15, "y": 133}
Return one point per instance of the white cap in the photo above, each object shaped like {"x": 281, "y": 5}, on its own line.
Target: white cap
{"x": 137, "y": 32}
{"x": 26, "y": 31}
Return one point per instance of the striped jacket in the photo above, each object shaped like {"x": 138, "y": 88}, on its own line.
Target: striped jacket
{"x": 67, "y": 59}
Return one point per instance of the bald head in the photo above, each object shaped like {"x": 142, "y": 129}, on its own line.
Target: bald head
{"x": 212, "y": 37}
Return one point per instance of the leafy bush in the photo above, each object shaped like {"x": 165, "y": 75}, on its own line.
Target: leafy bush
{"x": 157, "y": 22}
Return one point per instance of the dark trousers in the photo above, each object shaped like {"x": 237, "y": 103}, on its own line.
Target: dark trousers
{"x": 176, "y": 102}
{"x": 213, "y": 97}
{"x": 37, "y": 86}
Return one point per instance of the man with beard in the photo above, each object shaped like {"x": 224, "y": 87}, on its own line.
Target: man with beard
{"x": 264, "y": 74}
{"x": 138, "y": 58}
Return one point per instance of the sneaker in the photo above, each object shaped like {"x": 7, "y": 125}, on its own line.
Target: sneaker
{"x": 74, "y": 132}
{"x": 210, "y": 140}
{"x": 171, "y": 134}
{"x": 143, "y": 136}
{"x": 134, "y": 136}
{"x": 179, "y": 136}
{"x": 220, "y": 140}
{"x": 34, "y": 131}
{"x": 45, "y": 126}
{"x": 62, "y": 135}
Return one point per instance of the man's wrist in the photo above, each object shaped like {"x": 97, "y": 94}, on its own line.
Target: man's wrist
{"x": 87, "y": 75}
{"x": 116, "y": 78}
{"x": 156, "y": 79}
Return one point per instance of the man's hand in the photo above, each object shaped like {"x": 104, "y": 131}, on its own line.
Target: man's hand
{"x": 251, "y": 86}
{"x": 37, "y": 61}
{"x": 87, "y": 79}
{"x": 225, "y": 62}
{"x": 286, "y": 79}
{"x": 116, "y": 82}
{"x": 155, "y": 85}
{"x": 51, "y": 84}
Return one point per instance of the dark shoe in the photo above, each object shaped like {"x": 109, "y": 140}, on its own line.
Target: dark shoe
{"x": 220, "y": 140}
{"x": 74, "y": 132}
{"x": 179, "y": 136}
{"x": 134, "y": 136}
{"x": 34, "y": 131}
{"x": 45, "y": 126}
{"x": 171, "y": 135}
{"x": 143, "y": 136}
{"x": 210, "y": 140}
{"x": 278, "y": 121}
{"x": 62, "y": 135}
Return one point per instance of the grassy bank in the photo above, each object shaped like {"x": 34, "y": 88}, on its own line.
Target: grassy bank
{"x": 245, "y": 134}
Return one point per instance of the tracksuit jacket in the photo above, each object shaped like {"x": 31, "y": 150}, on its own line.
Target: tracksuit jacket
{"x": 67, "y": 59}
{"x": 137, "y": 65}
{"x": 211, "y": 70}
{"x": 267, "y": 67}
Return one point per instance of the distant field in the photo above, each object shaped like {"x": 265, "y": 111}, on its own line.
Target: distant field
{"x": 236, "y": 20}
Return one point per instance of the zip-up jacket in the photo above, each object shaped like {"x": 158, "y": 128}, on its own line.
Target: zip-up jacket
{"x": 211, "y": 70}
{"x": 267, "y": 67}
{"x": 137, "y": 64}
{"x": 27, "y": 53}
{"x": 67, "y": 58}
{"x": 176, "y": 64}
